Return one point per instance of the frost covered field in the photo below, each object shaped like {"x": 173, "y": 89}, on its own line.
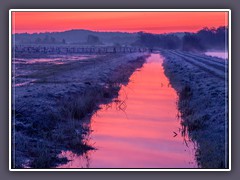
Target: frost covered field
{"x": 56, "y": 96}
{"x": 54, "y": 99}
{"x": 202, "y": 85}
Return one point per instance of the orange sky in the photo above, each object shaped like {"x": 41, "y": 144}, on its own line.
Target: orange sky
{"x": 153, "y": 22}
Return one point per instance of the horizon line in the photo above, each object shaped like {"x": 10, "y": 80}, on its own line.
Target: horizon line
{"x": 115, "y": 31}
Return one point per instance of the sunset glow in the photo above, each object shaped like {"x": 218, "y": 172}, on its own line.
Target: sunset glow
{"x": 152, "y": 22}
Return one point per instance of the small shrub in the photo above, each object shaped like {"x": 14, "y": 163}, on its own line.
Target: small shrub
{"x": 186, "y": 93}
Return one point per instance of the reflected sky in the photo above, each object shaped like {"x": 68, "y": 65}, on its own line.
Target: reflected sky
{"x": 141, "y": 134}
{"x": 54, "y": 59}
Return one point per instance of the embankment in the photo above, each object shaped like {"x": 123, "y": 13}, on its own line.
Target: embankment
{"x": 202, "y": 86}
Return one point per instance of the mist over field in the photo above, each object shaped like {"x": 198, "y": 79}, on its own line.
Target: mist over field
{"x": 204, "y": 40}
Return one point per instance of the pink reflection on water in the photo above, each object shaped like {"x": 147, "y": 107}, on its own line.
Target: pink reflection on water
{"x": 141, "y": 136}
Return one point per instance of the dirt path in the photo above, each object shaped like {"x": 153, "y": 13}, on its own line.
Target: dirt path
{"x": 214, "y": 68}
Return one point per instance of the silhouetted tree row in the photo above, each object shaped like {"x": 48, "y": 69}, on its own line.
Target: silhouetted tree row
{"x": 214, "y": 38}
{"x": 191, "y": 42}
{"x": 205, "y": 39}
{"x": 93, "y": 40}
{"x": 162, "y": 41}
{"x": 48, "y": 40}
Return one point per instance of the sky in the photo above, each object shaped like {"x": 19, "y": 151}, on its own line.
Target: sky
{"x": 151, "y": 22}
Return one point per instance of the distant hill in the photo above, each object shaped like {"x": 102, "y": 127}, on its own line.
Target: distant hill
{"x": 77, "y": 36}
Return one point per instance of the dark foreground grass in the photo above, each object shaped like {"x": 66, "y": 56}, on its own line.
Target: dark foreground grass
{"x": 188, "y": 123}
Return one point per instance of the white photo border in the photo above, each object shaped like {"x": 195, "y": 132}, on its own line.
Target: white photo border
{"x": 120, "y": 10}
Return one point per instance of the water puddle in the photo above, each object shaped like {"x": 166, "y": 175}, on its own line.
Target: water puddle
{"x": 54, "y": 59}
{"x": 218, "y": 54}
{"x": 23, "y": 83}
{"x": 139, "y": 130}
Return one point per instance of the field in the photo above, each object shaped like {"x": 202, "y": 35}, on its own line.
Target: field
{"x": 53, "y": 102}
{"x": 55, "y": 96}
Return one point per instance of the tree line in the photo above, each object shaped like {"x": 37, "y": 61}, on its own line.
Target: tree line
{"x": 203, "y": 40}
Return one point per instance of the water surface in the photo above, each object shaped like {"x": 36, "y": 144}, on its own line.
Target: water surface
{"x": 219, "y": 54}
{"x": 139, "y": 130}
{"x": 53, "y": 59}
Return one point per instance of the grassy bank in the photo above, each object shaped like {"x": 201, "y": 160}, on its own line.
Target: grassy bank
{"x": 202, "y": 109}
